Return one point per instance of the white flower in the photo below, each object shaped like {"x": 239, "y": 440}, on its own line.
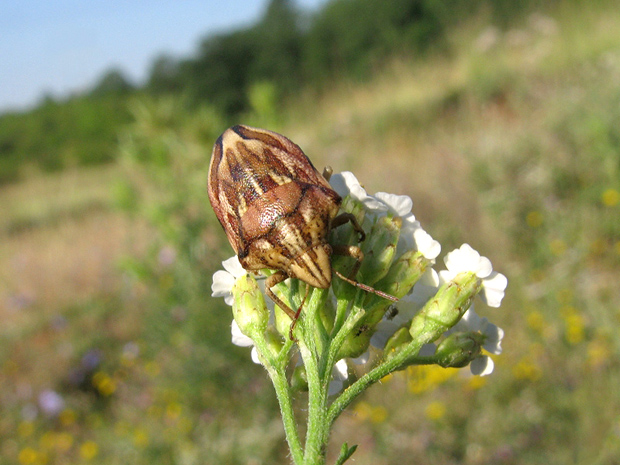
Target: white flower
{"x": 346, "y": 183}
{"x": 340, "y": 374}
{"x": 422, "y": 241}
{"x": 223, "y": 281}
{"x": 412, "y": 236}
{"x": 399, "y": 205}
{"x": 241, "y": 340}
{"x": 493, "y": 334}
{"x": 467, "y": 259}
{"x": 51, "y": 403}
{"x": 362, "y": 359}
{"x": 482, "y": 366}
{"x": 471, "y": 322}
{"x": 493, "y": 289}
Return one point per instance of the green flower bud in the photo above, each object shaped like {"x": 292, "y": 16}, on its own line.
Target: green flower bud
{"x": 355, "y": 207}
{"x": 283, "y": 321}
{"x": 249, "y": 309}
{"x": 445, "y": 309}
{"x": 379, "y": 249}
{"x": 274, "y": 341}
{"x": 346, "y": 234}
{"x": 459, "y": 349}
{"x": 399, "y": 280}
{"x": 404, "y": 273}
{"x": 356, "y": 342}
{"x": 299, "y": 379}
{"x": 398, "y": 340}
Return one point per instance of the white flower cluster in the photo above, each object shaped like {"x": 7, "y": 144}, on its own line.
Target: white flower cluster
{"x": 412, "y": 237}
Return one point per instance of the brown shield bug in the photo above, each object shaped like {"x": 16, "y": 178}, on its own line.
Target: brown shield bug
{"x": 277, "y": 210}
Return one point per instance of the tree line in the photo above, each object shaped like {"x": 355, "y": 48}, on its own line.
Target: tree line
{"x": 286, "y": 51}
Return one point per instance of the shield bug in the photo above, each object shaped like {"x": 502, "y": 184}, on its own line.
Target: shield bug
{"x": 277, "y": 210}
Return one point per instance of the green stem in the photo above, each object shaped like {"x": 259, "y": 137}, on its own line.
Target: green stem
{"x": 339, "y": 338}
{"x": 288, "y": 418}
{"x": 276, "y": 369}
{"x": 319, "y": 372}
{"x": 318, "y": 429}
{"x": 369, "y": 378}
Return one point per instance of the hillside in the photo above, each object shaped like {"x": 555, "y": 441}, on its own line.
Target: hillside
{"x": 509, "y": 142}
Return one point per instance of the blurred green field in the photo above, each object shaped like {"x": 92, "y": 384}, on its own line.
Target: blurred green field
{"x": 114, "y": 352}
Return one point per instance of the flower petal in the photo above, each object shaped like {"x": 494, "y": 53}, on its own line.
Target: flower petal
{"x": 238, "y": 338}
{"x": 346, "y": 183}
{"x": 400, "y": 205}
{"x": 223, "y": 282}
{"x": 493, "y": 289}
{"x": 482, "y": 366}
{"x": 493, "y": 342}
{"x": 426, "y": 245}
{"x": 233, "y": 266}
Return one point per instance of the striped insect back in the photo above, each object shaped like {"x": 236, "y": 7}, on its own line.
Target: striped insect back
{"x": 275, "y": 207}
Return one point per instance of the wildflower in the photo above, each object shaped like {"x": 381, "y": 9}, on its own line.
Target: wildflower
{"x": 241, "y": 340}
{"x": 534, "y": 219}
{"x": 167, "y": 256}
{"x": 433, "y": 323}
{"x": 435, "y": 410}
{"x": 411, "y": 237}
{"x": 223, "y": 281}
{"x": 492, "y": 335}
{"x": 467, "y": 259}
{"x": 340, "y": 374}
{"x": 610, "y": 197}
{"x": 407, "y": 308}
{"x": 381, "y": 204}
{"x": 51, "y": 403}
{"x": 88, "y": 450}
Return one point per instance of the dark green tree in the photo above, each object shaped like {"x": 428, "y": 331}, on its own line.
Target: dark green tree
{"x": 113, "y": 82}
{"x": 165, "y": 75}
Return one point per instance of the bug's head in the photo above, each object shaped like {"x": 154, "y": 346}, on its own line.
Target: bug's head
{"x": 313, "y": 266}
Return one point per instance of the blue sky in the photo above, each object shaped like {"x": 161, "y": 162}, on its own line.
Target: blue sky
{"x": 62, "y": 46}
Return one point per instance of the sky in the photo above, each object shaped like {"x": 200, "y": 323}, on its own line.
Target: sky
{"x": 60, "y": 47}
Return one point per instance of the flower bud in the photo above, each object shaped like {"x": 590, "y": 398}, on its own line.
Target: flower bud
{"x": 249, "y": 309}
{"x": 299, "y": 379}
{"x": 398, "y": 340}
{"x": 356, "y": 342}
{"x": 379, "y": 249}
{"x": 459, "y": 349}
{"x": 355, "y": 207}
{"x": 346, "y": 234}
{"x": 404, "y": 273}
{"x": 445, "y": 309}
{"x": 399, "y": 280}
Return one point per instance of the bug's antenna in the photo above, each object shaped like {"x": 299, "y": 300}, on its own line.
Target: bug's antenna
{"x": 366, "y": 288}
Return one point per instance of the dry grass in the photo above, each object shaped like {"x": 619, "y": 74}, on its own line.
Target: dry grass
{"x": 60, "y": 242}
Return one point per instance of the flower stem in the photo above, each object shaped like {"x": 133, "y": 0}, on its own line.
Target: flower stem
{"x": 276, "y": 368}
{"x": 369, "y": 378}
{"x": 318, "y": 429}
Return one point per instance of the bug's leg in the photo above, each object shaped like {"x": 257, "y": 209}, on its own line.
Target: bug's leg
{"x": 327, "y": 172}
{"x": 275, "y": 279}
{"x": 352, "y": 251}
{"x": 356, "y": 252}
{"x": 349, "y": 217}
{"x": 294, "y": 322}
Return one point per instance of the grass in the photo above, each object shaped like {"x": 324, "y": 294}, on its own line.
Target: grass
{"x": 510, "y": 144}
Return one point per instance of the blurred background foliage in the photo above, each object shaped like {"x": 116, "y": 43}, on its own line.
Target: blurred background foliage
{"x": 500, "y": 119}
